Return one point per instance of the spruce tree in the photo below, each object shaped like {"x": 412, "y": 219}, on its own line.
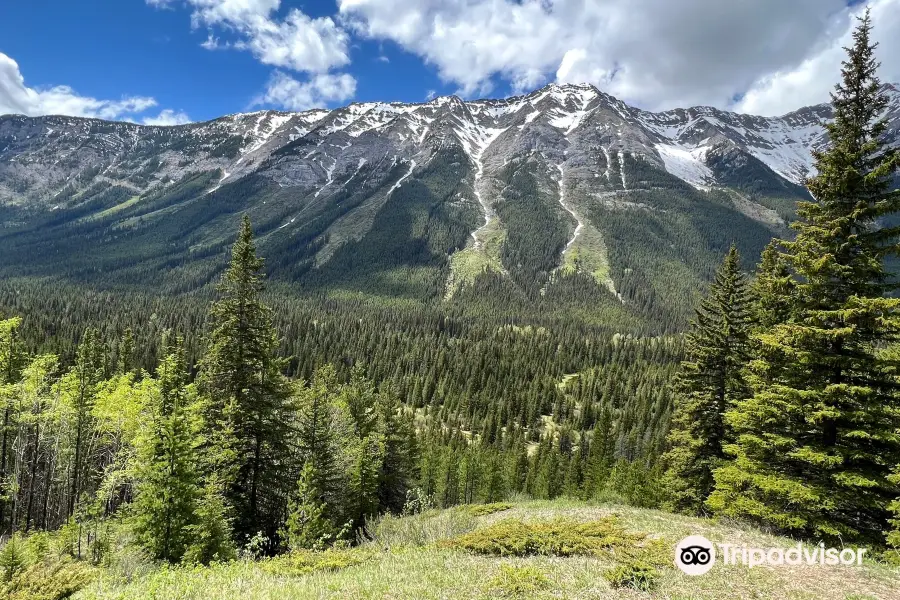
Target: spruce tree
{"x": 165, "y": 507}
{"x": 318, "y": 505}
{"x": 398, "y": 465}
{"x": 818, "y": 436}
{"x": 249, "y": 408}
{"x": 308, "y": 525}
{"x": 709, "y": 383}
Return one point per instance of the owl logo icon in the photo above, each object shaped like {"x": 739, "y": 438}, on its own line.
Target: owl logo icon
{"x": 695, "y": 555}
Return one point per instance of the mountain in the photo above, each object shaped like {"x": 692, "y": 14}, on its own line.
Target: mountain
{"x": 563, "y": 193}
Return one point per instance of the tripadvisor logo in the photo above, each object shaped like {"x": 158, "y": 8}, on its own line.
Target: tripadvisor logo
{"x": 696, "y": 555}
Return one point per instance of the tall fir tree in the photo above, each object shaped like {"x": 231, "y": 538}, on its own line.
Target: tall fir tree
{"x": 818, "y": 436}
{"x": 250, "y": 398}
{"x": 709, "y": 383}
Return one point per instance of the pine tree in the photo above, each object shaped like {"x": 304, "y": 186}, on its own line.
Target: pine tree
{"x": 319, "y": 433}
{"x": 250, "y": 397}
{"x": 398, "y": 466}
{"x": 308, "y": 525}
{"x": 210, "y": 533}
{"x": 709, "y": 383}
{"x": 600, "y": 455}
{"x": 363, "y": 478}
{"x": 816, "y": 440}
{"x": 165, "y": 507}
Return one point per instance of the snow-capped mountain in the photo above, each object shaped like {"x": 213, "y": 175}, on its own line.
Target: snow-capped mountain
{"x": 39, "y": 156}
{"x": 524, "y": 187}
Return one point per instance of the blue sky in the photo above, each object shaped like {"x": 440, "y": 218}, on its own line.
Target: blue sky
{"x": 178, "y": 60}
{"x": 111, "y": 48}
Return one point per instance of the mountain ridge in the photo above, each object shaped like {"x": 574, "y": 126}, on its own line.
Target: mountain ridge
{"x": 413, "y": 200}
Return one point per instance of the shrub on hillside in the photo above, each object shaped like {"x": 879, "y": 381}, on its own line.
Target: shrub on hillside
{"x": 634, "y": 574}
{"x": 303, "y": 562}
{"x": 559, "y": 537}
{"x": 481, "y": 510}
{"x": 520, "y": 582}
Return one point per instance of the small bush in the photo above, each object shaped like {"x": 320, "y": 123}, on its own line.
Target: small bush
{"x": 56, "y": 580}
{"x": 481, "y": 510}
{"x": 13, "y": 558}
{"x": 635, "y": 574}
{"x": 522, "y": 582}
{"x": 303, "y": 562}
{"x": 560, "y": 537}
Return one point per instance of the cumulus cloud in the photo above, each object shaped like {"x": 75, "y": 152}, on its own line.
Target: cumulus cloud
{"x": 654, "y": 53}
{"x": 168, "y": 117}
{"x": 17, "y": 98}
{"x": 811, "y": 81}
{"x": 296, "y": 41}
{"x": 285, "y": 91}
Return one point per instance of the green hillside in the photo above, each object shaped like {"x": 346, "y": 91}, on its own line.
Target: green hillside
{"x": 415, "y": 557}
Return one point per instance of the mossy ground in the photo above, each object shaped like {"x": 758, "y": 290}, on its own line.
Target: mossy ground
{"x": 412, "y": 558}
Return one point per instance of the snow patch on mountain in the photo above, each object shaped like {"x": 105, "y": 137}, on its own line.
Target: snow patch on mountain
{"x": 688, "y": 164}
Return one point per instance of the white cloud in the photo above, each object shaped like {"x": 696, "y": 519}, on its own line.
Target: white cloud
{"x": 811, "y": 81}
{"x": 297, "y": 41}
{"x": 285, "y": 91}
{"x": 168, "y": 117}
{"x": 654, "y": 53}
{"x": 430, "y": 95}
{"x": 17, "y": 98}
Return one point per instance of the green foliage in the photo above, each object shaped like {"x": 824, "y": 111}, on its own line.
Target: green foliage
{"x": 634, "y": 574}
{"x": 481, "y": 510}
{"x": 559, "y": 537}
{"x": 211, "y": 536}
{"x": 299, "y": 562}
{"x": 308, "y": 524}
{"x": 13, "y": 558}
{"x": 53, "y": 580}
{"x": 519, "y": 581}
{"x": 168, "y": 490}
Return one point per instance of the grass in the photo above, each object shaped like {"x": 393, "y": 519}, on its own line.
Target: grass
{"x": 470, "y": 262}
{"x": 412, "y": 558}
{"x": 589, "y": 255}
{"x": 117, "y": 208}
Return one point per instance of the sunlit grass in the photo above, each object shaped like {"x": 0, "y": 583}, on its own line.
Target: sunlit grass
{"x": 409, "y": 561}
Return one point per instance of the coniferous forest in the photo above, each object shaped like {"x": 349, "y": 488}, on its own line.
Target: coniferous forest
{"x": 238, "y": 419}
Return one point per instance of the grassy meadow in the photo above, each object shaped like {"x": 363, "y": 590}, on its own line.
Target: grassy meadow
{"x": 449, "y": 555}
